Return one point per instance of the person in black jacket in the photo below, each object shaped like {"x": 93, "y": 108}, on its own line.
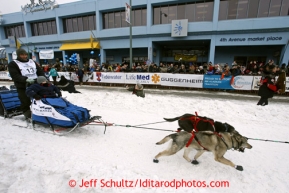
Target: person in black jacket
{"x": 23, "y": 71}
{"x": 268, "y": 87}
{"x": 43, "y": 89}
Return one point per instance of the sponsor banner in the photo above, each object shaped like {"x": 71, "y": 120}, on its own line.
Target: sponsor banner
{"x": 109, "y": 77}
{"x": 5, "y": 75}
{"x": 214, "y": 81}
{"x": 46, "y": 54}
{"x": 41, "y": 109}
{"x": 182, "y": 80}
{"x": 142, "y": 78}
{"x": 256, "y": 82}
{"x": 242, "y": 82}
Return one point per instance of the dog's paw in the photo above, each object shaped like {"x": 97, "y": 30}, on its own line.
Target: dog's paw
{"x": 240, "y": 168}
{"x": 195, "y": 162}
{"x": 155, "y": 161}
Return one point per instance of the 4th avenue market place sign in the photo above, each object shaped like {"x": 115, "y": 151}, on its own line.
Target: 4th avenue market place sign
{"x": 40, "y": 6}
{"x": 271, "y": 38}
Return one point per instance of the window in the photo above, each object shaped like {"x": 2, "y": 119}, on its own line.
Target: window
{"x": 81, "y": 23}
{"x": 137, "y": 17}
{"x": 123, "y": 22}
{"x": 49, "y": 28}
{"x": 239, "y": 9}
{"x": 223, "y": 10}
{"x": 144, "y": 17}
{"x": 264, "y": 8}
{"x": 232, "y": 9}
{"x": 74, "y": 25}
{"x": 181, "y": 12}
{"x": 164, "y": 15}
{"x": 116, "y": 19}
{"x": 43, "y": 28}
{"x": 16, "y": 30}
{"x": 285, "y": 8}
{"x": 53, "y": 26}
{"x": 91, "y": 22}
{"x": 190, "y": 12}
{"x": 208, "y": 11}
{"x": 242, "y": 9}
{"x": 193, "y": 11}
{"x": 157, "y": 15}
{"x": 171, "y": 13}
{"x": 275, "y": 8}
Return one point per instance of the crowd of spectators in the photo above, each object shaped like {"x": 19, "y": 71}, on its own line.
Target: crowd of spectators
{"x": 252, "y": 68}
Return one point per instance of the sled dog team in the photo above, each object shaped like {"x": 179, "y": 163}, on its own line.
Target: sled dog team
{"x": 204, "y": 134}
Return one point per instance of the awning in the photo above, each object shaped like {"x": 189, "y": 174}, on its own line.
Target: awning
{"x": 79, "y": 46}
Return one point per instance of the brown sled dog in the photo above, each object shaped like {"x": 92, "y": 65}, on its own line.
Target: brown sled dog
{"x": 205, "y": 141}
{"x": 188, "y": 122}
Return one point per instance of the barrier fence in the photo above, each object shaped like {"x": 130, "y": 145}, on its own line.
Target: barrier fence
{"x": 166, "y": 79}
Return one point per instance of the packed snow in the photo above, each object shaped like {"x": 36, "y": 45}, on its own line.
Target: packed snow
{"x": 35, "y": 161}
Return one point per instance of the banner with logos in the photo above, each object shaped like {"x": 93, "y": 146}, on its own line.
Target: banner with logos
{"x": 182, "y": 80}
{"x": 142, "y": 78}
{"x": 46, "y": 54}
{"x": 165, "y": 79}
{"x": 215, "y": 81}
{"x": 242, "y": 82}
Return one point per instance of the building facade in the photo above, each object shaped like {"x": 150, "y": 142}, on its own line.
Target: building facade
{"x": 219, "y": 31}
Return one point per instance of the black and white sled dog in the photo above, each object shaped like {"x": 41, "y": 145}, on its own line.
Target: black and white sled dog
{"x": 203, "y": 141}
{"x": 190, "y": 122}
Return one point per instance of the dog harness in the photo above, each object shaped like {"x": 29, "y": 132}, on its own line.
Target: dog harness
{"x": 196, "y": 119}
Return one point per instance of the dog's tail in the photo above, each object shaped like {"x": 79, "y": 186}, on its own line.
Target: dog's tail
{"x": 166, "y": 139}
{"x": 177, "y": 118}
{"x": 172, "y": 119}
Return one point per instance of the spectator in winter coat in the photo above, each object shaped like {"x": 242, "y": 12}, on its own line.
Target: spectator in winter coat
{"x": 80, "y": 73}
{"x": 137, "y": 90}
{"x": 43, "y": 89}
{"x": 163, "y": 68}
{"x": 268, "y": 87}
{"x": 53, "y": 73}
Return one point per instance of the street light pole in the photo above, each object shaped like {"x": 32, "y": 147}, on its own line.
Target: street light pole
{"x": 130, "y": 37}
{"x": 161, "y": 19}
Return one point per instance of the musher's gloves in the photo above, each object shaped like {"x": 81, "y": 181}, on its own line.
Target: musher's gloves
{"x": 37, "y": 97}
{"x": 29, "y": 80}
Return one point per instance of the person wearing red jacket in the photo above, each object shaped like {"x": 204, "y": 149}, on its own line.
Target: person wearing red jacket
{"x": 268, "y": 87}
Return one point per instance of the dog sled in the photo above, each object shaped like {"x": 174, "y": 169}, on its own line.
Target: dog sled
{"x": 61, "y": 116}
{"x": 9, "y": 102}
